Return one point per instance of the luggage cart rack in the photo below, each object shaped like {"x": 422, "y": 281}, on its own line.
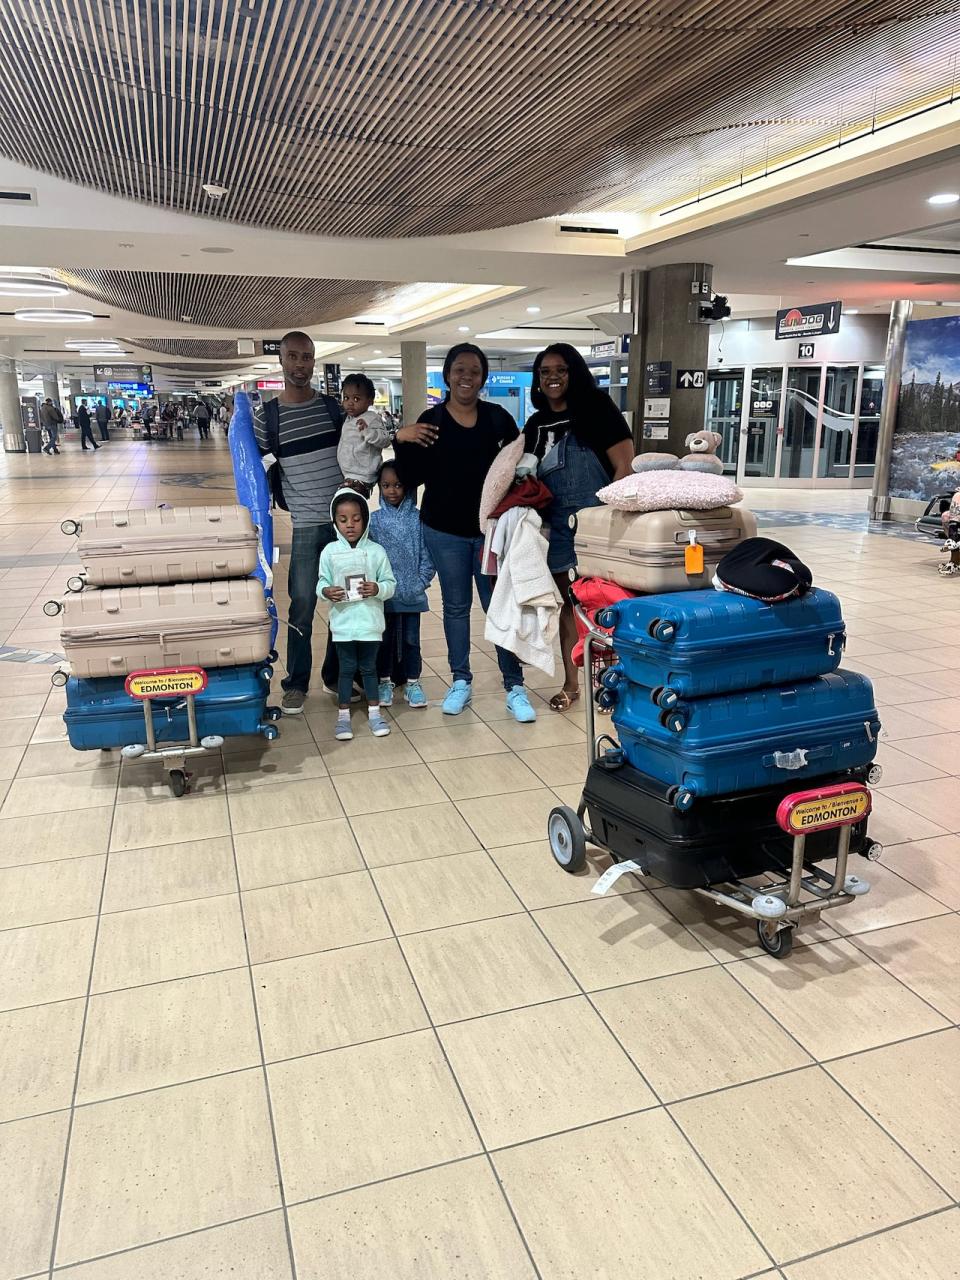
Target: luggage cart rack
{"x": 780, "y": 906}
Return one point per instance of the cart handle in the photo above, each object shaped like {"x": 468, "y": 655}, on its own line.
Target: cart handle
{"x": 596, "y": 637}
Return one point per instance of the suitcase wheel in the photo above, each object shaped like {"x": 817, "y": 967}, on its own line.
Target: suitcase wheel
{"x": 665, "y": 699}
{"x": 69, "y": 527}
{"x": 273, "y": 713}
{"x": 680, "y": 798}
{"x": 675, "y": 721}
{"x": 272, "y": 656}
{"x": 76, "y": 583}
{"x": 567, "y": 841}
{"x": 605, "y": 699}
{"x": 270, "y": 732}
{"x": 58, "y": 679}
{"x": 660, "y": 629}
{"x": 52, "y": 608}
{"x": 607, "y": 618}
{"x": 611, "y": 677}
{"x": 775, "y": 941}
{"x": 178, "y": 782}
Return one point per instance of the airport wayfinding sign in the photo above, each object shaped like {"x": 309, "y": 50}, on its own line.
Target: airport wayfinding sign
{"x": 808, "y": 322}
{"x": 123, "y": 372}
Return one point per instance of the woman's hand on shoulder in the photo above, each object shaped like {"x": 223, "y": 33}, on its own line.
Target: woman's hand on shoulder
{"x": 421, "y": 433}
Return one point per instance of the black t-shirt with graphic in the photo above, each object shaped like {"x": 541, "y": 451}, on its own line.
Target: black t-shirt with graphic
{"x": 601, "y": 427}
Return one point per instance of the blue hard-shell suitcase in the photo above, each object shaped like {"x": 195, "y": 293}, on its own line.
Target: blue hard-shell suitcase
{"x": 696, "y": 644}
{"x": 739, "y": 741}
{"x": 101, "y": 714}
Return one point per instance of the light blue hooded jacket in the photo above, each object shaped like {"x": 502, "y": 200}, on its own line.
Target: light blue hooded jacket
{"x": 356, "y": 619}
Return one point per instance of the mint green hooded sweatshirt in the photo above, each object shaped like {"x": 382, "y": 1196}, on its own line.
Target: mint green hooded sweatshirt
{"x": 356, "y": 619}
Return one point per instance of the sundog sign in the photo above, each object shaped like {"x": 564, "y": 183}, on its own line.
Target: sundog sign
{"x": 809, "y": 322}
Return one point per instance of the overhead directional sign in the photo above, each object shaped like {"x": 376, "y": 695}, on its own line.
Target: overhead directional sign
{"x": 691, "y": 379}
{"x": 271, "y": 346}
{"x": 123, "y": 372}
{"x": 809, "y": 322}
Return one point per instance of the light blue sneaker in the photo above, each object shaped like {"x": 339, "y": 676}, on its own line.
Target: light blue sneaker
{"x": 518, "y": 704}
{"x": 414, "y": 694}
{"x": 386, "y": 693}
{"x": 458, "y": 696}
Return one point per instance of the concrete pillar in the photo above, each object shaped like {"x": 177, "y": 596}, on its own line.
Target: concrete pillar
{"x": 51, "y": 389}
{"x": 413, "y": 379}
{"x": 667, "y": 332}
{"x": 900, "y": 313}
{"x": 76, "y": 393}
{"x": 11, "y": 420}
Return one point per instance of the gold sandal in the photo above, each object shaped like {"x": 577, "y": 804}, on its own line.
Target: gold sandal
{"x": 564, "y": 700}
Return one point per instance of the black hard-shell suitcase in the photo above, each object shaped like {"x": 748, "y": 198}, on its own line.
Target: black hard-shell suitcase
{"x": 720, "y": 839}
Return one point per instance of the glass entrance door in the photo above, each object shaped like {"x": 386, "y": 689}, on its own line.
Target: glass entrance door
{"x": 760, "y": 445}
{"x": 839, "y": 420}
{"x": 871, "y": 399}
{"x": 802, "y": 408}
{"x": 724, "y": 407}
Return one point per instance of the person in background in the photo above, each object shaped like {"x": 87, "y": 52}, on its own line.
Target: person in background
{"x": 297, "y": 435}
{"x": 223, "y": 417}
{"x": 146, "y": 417}
{"x": 102, "y": 414}
{"x": 396, "y": 526}
{"x": 364, "y": 435}
{"x": 51, "y": 419}
{"x": 582, "y": 442}
{"x": 83, "y": 422}
{"x": 202, "y": 416}
{"x": 449, "y": 451}
{"x": 356, "y": 577}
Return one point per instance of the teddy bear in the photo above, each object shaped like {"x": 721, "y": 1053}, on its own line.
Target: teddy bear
{"x": 703, "y": 447}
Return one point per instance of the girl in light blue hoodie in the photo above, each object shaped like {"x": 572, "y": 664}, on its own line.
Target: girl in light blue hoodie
{"x": 355, "y": 576}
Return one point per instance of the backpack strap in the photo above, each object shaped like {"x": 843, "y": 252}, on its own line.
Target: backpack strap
{"x": 271, "y": 421}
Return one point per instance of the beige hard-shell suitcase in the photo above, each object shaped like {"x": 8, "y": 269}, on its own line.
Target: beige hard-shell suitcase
{"x": 166, "y": 544}
{"x": 645, "y": 551}
{"x": 207, "y": 624}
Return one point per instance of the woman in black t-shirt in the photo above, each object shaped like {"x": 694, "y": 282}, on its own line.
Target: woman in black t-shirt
{"x": 583, "y": 443}
{"x": 449, "y": 451}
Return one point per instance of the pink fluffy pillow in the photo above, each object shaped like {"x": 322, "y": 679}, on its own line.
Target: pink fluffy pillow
{"x": 500, "y": 477}
{"x": 668, "y": 490}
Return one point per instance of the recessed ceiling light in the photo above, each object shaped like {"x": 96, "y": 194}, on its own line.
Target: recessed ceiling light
{"x": 215, "y": 191}
{"x": 216, "y": 248}
{"x": 31, "y": 287}
{"x": 944, "y": 197}
{"x": 378, "y": 352}
{"x": 53, "y": 315}
{"x": 853, "y": 311}
{"x": 533, "y": 310}
{"x": 463, "y": 328}
{"x": 186, "y": 319}
{"x": 263, "y": 366}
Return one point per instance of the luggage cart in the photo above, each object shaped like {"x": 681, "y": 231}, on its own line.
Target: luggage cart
{"x": 788, "y": 896}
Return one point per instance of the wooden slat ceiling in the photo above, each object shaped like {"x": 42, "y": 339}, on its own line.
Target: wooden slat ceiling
{"x": 421, "y": 117}
{"x": 191, "y": 348}
{"x": 260, "y": 303}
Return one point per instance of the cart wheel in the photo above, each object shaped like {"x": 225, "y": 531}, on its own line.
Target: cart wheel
{"x": 567, "y": 841}
{"x": 775, "y": 941}
{"x": 69, "y": 527}
{"x": 75, "y": 583}
{"x": 52, "y": 607}
{"x": 665, "y": 698}
{"x": 270, "y": 732}
{"x": 178, "y": 782}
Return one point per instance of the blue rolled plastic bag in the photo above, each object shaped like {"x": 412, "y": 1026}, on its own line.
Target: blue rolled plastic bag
{"x": 253, "y": 491}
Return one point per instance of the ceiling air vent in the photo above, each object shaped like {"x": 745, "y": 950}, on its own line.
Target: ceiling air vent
{"x": 580, "y": 229}
{"x": 18, "y": 195}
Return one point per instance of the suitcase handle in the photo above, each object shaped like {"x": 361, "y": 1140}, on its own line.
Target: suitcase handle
{"x": 120, "y": 521}
{"x": 220, "y": 564}
{"x": 225, "y": 652}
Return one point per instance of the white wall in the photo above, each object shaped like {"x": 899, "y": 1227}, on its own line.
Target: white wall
{"x": 751, "y": 342}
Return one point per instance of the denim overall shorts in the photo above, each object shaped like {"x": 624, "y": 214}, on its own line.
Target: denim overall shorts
{"x": 573, "y": 473}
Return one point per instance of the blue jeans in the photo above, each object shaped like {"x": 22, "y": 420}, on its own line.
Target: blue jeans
{"x": 573, "y": 473}
{"x": 399, "y": 659}
{"x": 308, "y": 541}
{"x": 354, "y": 656}
{"x": 457, "y": 561}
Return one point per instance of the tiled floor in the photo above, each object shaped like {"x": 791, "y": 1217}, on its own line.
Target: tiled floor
{"x": 337, "y": 1014}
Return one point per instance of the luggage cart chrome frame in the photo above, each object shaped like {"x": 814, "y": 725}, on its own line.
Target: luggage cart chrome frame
{"x": 779, "y": 907}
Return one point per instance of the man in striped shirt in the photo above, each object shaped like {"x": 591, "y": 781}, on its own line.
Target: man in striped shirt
{"x": 300, "y": 431}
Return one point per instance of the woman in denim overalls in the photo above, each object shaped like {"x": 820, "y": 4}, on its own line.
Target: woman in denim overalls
{"x": 583, "y": 443}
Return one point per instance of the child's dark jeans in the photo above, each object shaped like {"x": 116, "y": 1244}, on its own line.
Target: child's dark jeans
{"x": 358, "y": 656}
{"x": 399, "y": 659}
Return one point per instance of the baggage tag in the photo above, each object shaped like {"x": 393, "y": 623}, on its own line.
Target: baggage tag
{"x": 693, "y": 555}
{"x": 613, "y": 874}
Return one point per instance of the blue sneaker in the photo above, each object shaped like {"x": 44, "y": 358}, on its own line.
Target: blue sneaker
{"x": 379, "y": 727}
{"x": 458, "y": 697}
{"x": 518, "y": 704}
{"x": 414, "y": 694}
{"x": 386, "y": 693}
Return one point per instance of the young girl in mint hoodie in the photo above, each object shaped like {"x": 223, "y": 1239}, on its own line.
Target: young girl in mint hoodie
{"x": 355, "y": 576}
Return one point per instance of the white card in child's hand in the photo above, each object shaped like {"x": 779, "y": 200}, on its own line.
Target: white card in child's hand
{"x": 352, "y": 584}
